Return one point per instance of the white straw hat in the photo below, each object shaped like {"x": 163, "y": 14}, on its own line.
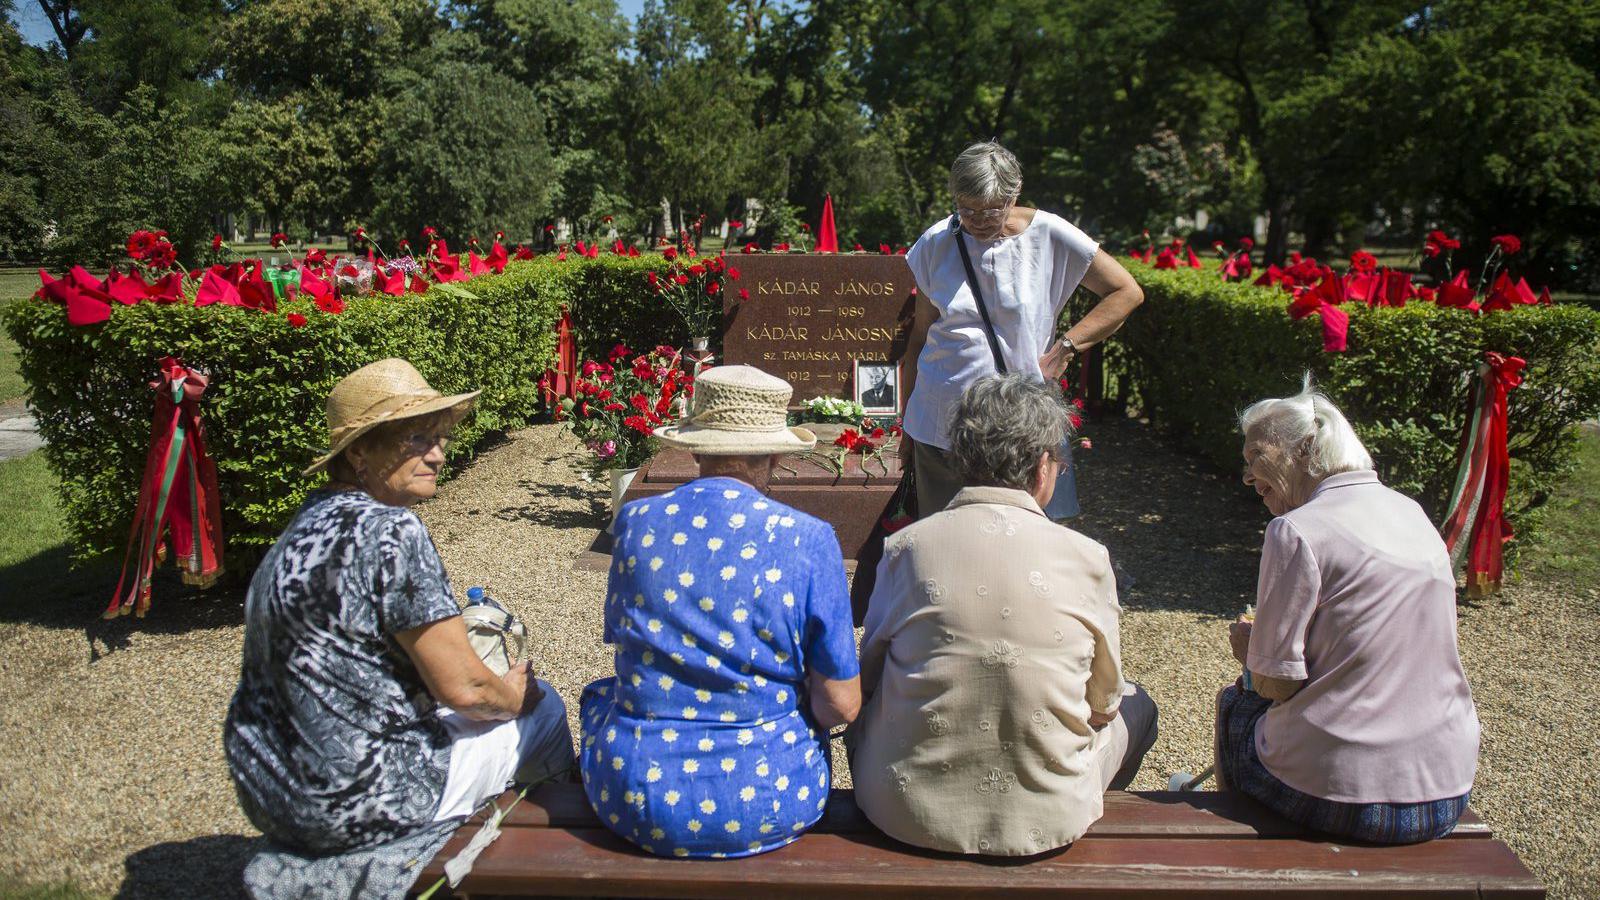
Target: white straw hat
{"x": 737, "y": 411}
{"x": 385, "y": 391}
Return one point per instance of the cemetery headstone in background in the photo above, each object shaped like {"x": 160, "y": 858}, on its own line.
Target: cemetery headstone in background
{"x": 808, "y": 319}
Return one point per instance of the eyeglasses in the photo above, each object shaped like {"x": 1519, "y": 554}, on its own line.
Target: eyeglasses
{"x": 987, "y": 215}
{"x": 421, "y": 443}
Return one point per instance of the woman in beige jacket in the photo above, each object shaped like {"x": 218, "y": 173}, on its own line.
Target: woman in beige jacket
{"x": 997, "y": 714}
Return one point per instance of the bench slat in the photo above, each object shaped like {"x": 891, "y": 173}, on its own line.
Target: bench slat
{"x": 1161, "y": 814}
{"x": 593, "y": 861}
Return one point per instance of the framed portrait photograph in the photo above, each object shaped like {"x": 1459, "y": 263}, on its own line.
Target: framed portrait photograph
{"x": 878, "y": 387}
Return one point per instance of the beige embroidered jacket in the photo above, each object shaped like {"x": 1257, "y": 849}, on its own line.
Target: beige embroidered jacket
{"x": 991, "y": 635}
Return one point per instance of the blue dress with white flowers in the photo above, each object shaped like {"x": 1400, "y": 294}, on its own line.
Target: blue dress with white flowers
{"x": 720, "y": 600}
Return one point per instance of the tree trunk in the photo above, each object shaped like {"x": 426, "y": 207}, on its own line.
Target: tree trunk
{"x": 1277, "y": 249}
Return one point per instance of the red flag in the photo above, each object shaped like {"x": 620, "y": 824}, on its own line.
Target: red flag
{"x": 827, "y": 235}
{"x": 1194, "y": 261}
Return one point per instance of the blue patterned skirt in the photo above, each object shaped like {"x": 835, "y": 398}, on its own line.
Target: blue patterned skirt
{"x": 1378, "y": 823}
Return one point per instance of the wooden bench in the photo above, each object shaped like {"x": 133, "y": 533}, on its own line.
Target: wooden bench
{"x": 1191, "y": 844}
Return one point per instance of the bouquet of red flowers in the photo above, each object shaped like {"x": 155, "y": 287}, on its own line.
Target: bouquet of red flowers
{"x": 620, "y": 402}
{"x": 693, "y": 288}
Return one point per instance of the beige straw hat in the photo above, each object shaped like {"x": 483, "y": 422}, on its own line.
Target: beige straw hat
{"x": 384, "y": 391}
{"x": 737, "y": 411}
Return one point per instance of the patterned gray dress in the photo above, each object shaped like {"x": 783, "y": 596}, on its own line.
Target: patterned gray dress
{"x": 332, "y": 736}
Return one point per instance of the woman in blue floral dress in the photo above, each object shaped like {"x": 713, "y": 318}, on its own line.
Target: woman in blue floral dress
{"x": 734, "y": 652}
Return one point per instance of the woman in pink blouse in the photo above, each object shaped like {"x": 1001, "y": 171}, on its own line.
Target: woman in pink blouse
{"x": 1355, "y": 717}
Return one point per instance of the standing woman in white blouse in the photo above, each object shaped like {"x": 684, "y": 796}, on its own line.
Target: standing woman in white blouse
{"x": 1027, "y": 263}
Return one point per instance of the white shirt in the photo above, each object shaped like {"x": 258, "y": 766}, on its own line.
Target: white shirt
{"x": 1026, "y": 280}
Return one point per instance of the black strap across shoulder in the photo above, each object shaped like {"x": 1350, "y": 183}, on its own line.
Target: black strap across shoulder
{"x": 977, "y": 295}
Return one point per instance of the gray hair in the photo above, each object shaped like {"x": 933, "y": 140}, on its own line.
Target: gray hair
{"x": 1002, "y": 425}
{"x": 986, "y": 172}
{"x": 1309, "y": 417}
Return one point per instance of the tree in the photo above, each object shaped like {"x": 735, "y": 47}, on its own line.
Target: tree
{"x": 568, "y": 53}
{"x": 146, "y": 166}
{"x": 462, "y": 149}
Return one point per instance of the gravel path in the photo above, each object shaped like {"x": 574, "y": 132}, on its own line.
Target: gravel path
{"x": 111, "y": 770}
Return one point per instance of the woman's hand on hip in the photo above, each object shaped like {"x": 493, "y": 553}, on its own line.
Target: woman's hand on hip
{"x": 1054, "y": 362}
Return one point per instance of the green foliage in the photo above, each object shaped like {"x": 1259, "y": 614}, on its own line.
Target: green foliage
{"x": 1199, "y": 350}
{"x": 448, "y": 152}
{"x": 264, "y": 410}
{"x": 146, "y": 166}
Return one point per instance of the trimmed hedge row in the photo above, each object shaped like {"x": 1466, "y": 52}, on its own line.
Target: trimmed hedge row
{"x": 264, "y": 410}
{"x": 1199, "y": 350}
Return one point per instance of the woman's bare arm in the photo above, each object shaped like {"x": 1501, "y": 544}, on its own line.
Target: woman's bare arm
{"x": 834, "y": 703}
{"x": 456, "y": 677}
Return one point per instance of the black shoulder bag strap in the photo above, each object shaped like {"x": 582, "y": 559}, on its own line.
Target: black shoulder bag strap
{"x": 977, "y": 294}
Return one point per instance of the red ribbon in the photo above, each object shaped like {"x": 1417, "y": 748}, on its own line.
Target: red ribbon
{"x": 179, "y": 492}
{"x": 1323, "y": 300}
{"x": 1475, "y": 526}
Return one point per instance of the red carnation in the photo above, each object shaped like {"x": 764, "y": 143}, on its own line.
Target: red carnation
{"x": 161, "y": 255}
{"x": 549, "y": 228}
{"x": 857, "y": 248}
{"x": 884, "y": 249}
{"x": 428, "y": 231}
{"x": 330, "y": 304}
{"x": 139, "y": 243}
{"x": 1509, "y": 244}
{"x": 733, "y": 273}
{"x": 405, "y": 244}
{"x": 360, "y": 232}
{"x": 316, "y": 257}
{"x": 296, "y": 320}
{"x": 670, "y": 253}
{"x": 805, "y": 227}
{"x": 744, "y": 293}
{"x": 654, "y": 279}
{"x": 680, "y": 279}
{"x": 279, "y": 239}
{"x": 711, "y": 289}
{"x": 216, "y": 242}
{"x": 606, "y": 219}
{"x": 1247, "y": 244}
{"x": 751, "y": 248}
{"x": 1363, "y": 262}
{"x": 697, "y": 270}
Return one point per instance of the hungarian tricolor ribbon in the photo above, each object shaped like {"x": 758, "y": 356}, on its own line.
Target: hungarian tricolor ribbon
{"x": 1475, "y": 529}
{"x": 178, "y": 493}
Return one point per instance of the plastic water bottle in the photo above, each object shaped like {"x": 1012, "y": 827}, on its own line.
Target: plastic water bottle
{"x": 478, "y": 596}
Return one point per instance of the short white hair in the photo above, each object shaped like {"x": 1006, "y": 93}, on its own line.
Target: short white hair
{"x": 986, "y": 172}
{"x": 1308, "y": 417}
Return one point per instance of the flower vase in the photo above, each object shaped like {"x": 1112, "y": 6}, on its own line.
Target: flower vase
{"x": 621, "y": 480}
{"x": 698, "y": 354}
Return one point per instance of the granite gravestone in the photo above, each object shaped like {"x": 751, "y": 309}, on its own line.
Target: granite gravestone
{"x": 808, "y": 318}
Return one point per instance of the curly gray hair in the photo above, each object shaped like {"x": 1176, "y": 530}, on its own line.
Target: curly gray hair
{"x": 986, "y": 172}
{"x": 1002, "y": 425}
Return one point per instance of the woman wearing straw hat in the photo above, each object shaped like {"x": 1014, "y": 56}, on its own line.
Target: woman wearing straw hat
{"x": 734, "y": 653}
{"x": 338, "y": 736}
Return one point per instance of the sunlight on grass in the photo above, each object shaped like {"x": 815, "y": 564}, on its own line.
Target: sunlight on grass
{"x": 30, "y": 519}
{"x": 1569, "y": 547}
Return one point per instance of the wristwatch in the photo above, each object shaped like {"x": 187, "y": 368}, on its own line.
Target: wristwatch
{"x": 1067, "y": 342}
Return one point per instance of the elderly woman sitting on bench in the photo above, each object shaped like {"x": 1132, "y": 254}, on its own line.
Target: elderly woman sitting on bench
{"x": 1354, "y": 717}
{"x": 997, "y": 713}
{"x": 734, "y": 653}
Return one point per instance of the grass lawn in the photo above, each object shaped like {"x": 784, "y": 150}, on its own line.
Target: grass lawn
{"x": 1569, "y": 545}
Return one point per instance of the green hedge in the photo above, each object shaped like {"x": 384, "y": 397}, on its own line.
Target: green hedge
{"x": 264, "y": 411}
{"x": 1199, "y": 350}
